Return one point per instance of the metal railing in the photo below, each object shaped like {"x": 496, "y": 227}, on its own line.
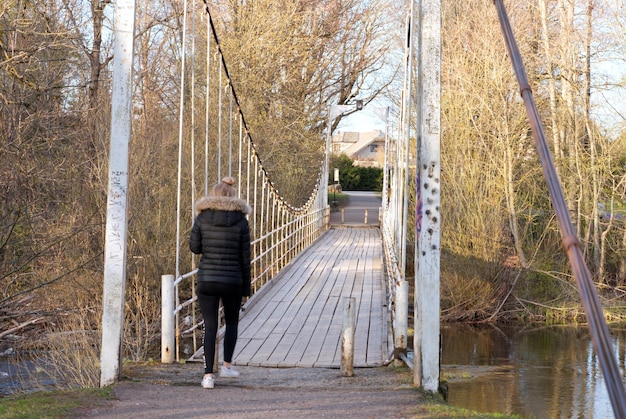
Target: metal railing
{"x": 279, "y": 231}
{"x": 270, "y": 253}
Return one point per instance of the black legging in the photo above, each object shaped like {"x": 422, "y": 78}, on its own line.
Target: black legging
{"x": 209, "y": 295}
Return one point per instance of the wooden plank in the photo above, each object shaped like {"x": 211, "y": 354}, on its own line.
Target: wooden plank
{"x": 265, "y": 312}
{"x": 321, "y": 334}
{"x": 374, "y": 335}
{"x": 299, "y": 320}
{"x": 294, "y": 277}
{"x": 266, "y": 349}
{"x": 341, "y": 289}
{"x": 246, "y": 355}
{"x": 299, "y": 310}
{"x": 316, "y": 326}
{"x": 256, "y": 316}
{"x": 362, "y": 324}
{"x": 353, "y": 289}
{"x": 293, "y": 326}
{"x": 371, "y": 310}
{"x": 377, "y": 342}
{"x": 332, "y": 340}
{"x": 356, "y": 291}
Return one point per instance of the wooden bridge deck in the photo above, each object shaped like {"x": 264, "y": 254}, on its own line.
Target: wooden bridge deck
{"x": 296, "y": 320}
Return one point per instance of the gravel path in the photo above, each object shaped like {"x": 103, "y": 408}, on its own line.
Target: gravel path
{"x": 173, "y": 391}
{"x": 169, "y": 391}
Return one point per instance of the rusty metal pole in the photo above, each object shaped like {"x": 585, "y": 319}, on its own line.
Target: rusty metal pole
{"x": 593, "y": 309}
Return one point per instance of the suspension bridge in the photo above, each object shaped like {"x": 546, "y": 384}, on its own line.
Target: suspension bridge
{"x": 304, "y": 268}
{"x": 297, "y": 320}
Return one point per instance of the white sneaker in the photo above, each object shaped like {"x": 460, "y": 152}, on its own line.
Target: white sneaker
{"x": 208, "y": 381}
{"x": 229, "y": 372}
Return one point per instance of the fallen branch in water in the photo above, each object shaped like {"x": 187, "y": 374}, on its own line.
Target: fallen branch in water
{"x": 21, "y": 326}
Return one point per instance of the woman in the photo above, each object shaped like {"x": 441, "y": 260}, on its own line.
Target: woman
{"x": 221, "y": 234}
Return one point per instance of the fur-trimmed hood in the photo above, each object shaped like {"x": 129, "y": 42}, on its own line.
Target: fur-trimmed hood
{"x": 222, "y": 203}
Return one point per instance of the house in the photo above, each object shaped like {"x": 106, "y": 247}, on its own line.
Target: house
{"x": 366, "y": 149}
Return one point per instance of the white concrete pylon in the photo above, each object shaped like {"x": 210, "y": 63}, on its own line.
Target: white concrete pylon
{"x": 428, "y": 193}
{"x": 116, "y": 224}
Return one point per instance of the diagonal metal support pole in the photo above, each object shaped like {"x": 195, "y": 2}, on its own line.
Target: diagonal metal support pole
{"x": 591, "y": 303}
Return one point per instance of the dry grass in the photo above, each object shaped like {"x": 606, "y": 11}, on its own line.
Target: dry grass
{"x": 69, "y": 352}
{"x": 142, "y": 325}
{"x": 65, "y": 352}
{"x": 465, "y": 295}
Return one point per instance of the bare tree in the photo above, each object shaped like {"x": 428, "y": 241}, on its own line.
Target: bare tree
{"x": 290, "y": 61}
{"x": 485, "y": 124}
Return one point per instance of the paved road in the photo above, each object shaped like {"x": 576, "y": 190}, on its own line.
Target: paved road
{"x": 354, "y": 212}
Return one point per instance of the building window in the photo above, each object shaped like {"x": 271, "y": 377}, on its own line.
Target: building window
{"x": 373, "y": 148}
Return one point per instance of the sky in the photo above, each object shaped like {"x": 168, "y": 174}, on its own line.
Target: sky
{"x": 371, "y": 118}
{"x": 609, "y": 106}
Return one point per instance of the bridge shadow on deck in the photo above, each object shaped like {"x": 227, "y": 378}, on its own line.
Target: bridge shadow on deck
{"x": 296, "y": 319}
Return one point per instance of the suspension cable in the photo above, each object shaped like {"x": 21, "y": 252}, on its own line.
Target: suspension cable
{"x": 180, "y": 138}
{"x": 267, "y": 203}
{"x": 591, "y": 303}
{"x": 207, "y": 104}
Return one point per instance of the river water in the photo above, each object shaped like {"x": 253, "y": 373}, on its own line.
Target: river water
{"x": 546, "y": 372}
{"x": 22, "y": 376}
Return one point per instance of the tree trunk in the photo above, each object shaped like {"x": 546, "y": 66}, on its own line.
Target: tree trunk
{"x": 622, "y": 262}
{"x": 558, "y": 151}
{"x": 509, "y": 189}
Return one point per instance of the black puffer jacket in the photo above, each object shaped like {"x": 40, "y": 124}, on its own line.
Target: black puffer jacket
{"x": 221, "y": 234}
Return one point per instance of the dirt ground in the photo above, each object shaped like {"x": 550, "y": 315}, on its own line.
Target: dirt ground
{"x": 174, "y": 391}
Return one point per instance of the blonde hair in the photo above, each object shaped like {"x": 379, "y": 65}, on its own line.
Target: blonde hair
{"x": 225, "y": 188}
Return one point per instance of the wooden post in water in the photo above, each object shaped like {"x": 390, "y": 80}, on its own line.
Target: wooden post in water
{"x": 365, "y": 215}
{"x": 347, "y": 337}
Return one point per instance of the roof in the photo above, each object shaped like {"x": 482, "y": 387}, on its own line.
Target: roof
{"x": 354, "y": 142}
